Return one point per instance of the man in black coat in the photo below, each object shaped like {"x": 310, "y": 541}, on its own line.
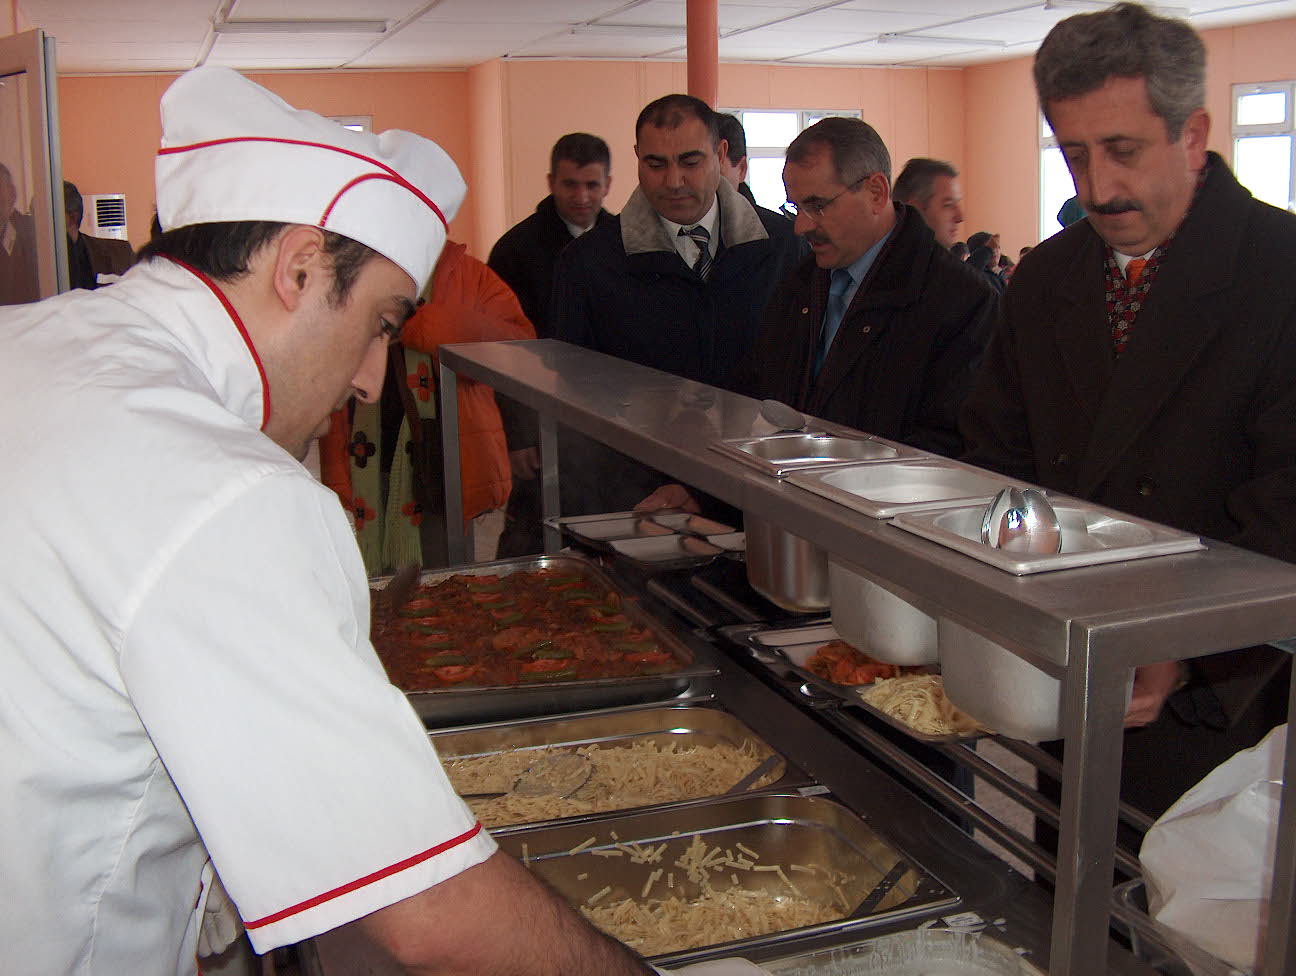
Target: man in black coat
{"x": 1145, "y": 359}
{"x": 677, "y": 282}
{"x": 641, "y": 287}
{"x": 580, "y": 175}
{"x": 880, "y": 328}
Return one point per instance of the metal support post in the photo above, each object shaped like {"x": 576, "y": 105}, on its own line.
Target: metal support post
{"x": 456, "y": 541}
{"x": 1093, "y": 713}
{"x": 550, "y": 503}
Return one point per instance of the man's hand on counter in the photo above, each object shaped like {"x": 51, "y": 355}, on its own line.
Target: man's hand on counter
{"x": 1153, "y": 684}
{"x": 669, "y": 496}
{"x": 496, "y": 917}
{"x": 525, "y": 463}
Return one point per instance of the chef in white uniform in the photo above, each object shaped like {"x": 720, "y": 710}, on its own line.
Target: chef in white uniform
{"x": 185, "y": 672}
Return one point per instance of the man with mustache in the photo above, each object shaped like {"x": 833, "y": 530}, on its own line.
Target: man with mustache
{"x": 1145, "y": 355}
{"x": 881, "y": 327}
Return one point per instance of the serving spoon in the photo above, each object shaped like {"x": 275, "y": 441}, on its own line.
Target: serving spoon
{"x": 787, "y": 419}
{"x": 1022, "y": 521}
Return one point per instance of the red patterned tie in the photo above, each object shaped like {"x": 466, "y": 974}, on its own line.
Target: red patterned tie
{"x": 1134, "y": 271}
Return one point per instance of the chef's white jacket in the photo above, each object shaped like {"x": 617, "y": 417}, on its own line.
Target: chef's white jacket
{"x": 185, "y": 667}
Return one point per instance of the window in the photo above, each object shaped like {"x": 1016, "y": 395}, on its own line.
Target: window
{"x": 769, "y": 132}
{"x": 1264, "y": 141}
{"x": 1056, "y": 185}
{"x": 360, "y": 123}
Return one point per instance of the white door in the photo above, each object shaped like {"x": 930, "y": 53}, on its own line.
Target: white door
{"x": 33, "y": 251}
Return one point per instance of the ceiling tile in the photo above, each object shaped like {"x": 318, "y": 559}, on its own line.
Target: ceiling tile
{"x": 322, "y": 9}
{"x": 521, "y": 11}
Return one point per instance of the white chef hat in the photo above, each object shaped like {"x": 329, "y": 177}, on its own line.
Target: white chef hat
{"x": 233, "y": 151}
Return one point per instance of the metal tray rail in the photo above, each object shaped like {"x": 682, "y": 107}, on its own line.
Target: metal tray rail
{"x": 684, "y": 725}
{"x": 920, "y": 951}
{"x": 782, "y": 828}
{"x": 446, "y": 707}
{"x": 790, "y": 647}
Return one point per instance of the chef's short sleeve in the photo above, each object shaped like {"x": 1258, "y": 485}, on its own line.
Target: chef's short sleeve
{"x": 309, "y": 778}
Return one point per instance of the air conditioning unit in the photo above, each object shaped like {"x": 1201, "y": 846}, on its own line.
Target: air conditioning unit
{"x": 107, "y": 215}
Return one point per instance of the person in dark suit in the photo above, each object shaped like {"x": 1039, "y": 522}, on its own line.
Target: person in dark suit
{"x": 1145, "y": 356}
{"x": 580, "y": 175}
{"x": 89, "y": 257}
{"x": 18, "y": 272}
{"x": 881, "y": 327}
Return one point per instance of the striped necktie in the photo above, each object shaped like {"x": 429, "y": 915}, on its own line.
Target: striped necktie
{"x": 702, "y": 238}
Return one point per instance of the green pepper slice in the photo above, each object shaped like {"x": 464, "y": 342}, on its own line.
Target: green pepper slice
{"x": 551, "y": 653}
{"x": 611, "y": 626}
{"x": 420, "y": 611}
{"x": 486, "y": 587}
{"x": 579, "y": 595}
{"x": 441, "y": 660}
{"x": 426, "y": 628}
{"x": 548, "y": 675}
{"x": 562, "y": 580}
{"x": 509, "y": 618}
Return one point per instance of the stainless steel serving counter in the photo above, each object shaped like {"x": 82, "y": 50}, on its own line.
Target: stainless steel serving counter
{"x": 1015, "y": 910}
{"x": 1087, "y": 626}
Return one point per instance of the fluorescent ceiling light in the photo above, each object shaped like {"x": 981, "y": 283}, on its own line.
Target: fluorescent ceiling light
{"x": 643, "y": 30}
{"x": 933, "y": 39}
{"x": 301, "y": 27}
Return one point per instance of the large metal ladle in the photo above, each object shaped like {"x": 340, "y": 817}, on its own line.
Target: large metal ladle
{"x": 1022, "y": 520}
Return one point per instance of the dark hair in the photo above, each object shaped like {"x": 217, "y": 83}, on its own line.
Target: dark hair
{"x": 732, "y": 132}
{"x": 224, "y": 251}
{"x": 980, "y": 239}
{"x": 73, "y": 205}
{"x": 1081, "y": 53}
{"x": 581, "y": 149}
{"x": 959, "y": 249}
{"x": 670, "y": 111}
{"x": 857, "y": 150}
{"x": 980, "y": 257}
{"x": 916, "y": 183}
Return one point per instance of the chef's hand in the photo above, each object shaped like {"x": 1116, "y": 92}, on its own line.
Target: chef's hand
{"x": 525, "y": 463}
{"x": 1153, "y": 684}
{"x": 669, "y": 496}
{"x": 221, "y": 924}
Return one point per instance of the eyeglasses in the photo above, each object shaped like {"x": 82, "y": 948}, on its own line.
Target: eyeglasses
{"x": 815, "y": 211}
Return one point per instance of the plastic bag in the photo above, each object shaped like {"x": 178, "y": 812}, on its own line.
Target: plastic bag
{"x": 1208, "y": 862}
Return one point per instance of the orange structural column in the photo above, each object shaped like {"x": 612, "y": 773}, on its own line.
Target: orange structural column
{"x": 704, "y": 50}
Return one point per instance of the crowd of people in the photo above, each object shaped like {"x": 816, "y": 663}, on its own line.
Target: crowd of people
{"x": 188, "y": 685}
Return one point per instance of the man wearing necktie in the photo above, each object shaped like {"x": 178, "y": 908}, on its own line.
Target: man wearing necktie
{"x": 677, "y": 281}
{"x": 879, "y": 328}
{"x": 1145, "y": 358}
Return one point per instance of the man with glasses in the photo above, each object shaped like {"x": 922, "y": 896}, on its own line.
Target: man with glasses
{"x": 881, "y": 327}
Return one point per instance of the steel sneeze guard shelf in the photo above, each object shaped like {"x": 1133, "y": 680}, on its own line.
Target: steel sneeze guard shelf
{"x": 1086, "y": 626}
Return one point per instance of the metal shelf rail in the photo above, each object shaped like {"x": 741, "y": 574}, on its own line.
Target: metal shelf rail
{"x": 1088, "y": 627}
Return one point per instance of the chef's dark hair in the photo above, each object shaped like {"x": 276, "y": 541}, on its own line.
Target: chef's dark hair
{"x": 224, "y": 251}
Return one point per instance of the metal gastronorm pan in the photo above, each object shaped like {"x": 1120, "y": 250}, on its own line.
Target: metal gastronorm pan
{"x": 787, "y": 649}
{"x": 783, "y": 828}
{"x": 683, "y": 725}
{"x": 463, "y": 705}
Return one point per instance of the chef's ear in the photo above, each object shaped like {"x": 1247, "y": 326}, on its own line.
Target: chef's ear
{"x": 299, "y": 263}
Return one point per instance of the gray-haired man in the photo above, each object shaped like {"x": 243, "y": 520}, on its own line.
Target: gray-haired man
{"x": 1145, "y": 355}
{"x": 932, "y": 188}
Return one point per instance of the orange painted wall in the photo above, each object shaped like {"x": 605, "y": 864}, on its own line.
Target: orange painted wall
{"x": 917, "y": 112}
{"x": 110, "y": 125}
{"x": 1001, "y": 178}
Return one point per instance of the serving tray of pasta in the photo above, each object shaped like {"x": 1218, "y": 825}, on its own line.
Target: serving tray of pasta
{"x": 911, "y": 699}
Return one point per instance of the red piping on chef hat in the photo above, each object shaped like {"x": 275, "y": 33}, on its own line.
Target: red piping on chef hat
{"x": 233, "y": 151}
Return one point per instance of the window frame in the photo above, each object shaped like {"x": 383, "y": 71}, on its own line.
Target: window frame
{"x": 1287, "y": 127}
{"x": 804, "y": 117}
